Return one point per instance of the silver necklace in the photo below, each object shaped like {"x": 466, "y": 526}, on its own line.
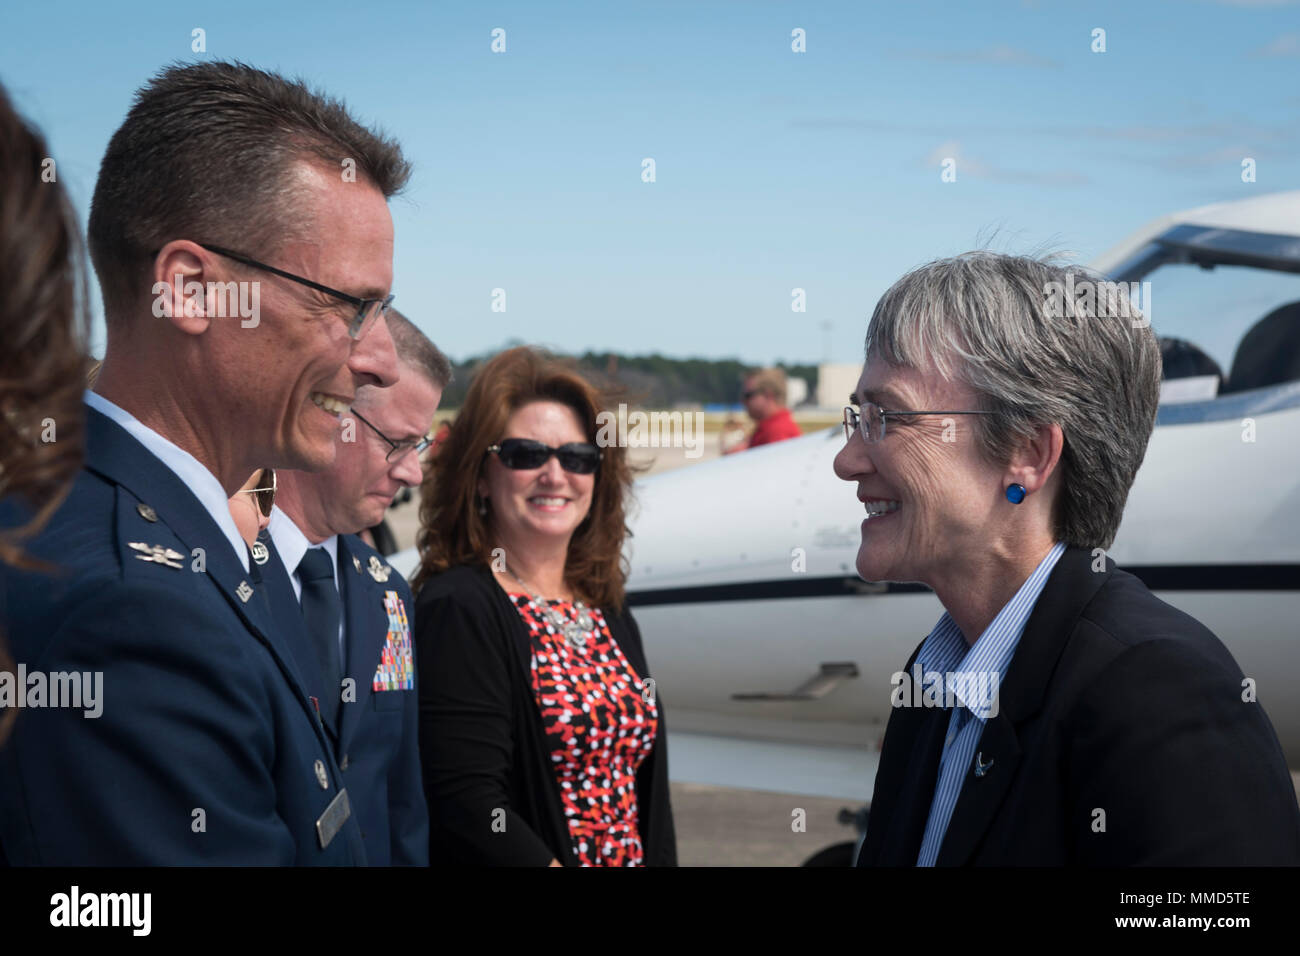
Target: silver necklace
{"x": 576, "y": 634}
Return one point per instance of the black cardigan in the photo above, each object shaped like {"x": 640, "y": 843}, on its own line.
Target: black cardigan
{"x": 488, "y": 778}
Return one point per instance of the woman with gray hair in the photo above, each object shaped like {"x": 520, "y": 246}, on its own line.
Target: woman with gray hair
{"x": 1058, "y": 713}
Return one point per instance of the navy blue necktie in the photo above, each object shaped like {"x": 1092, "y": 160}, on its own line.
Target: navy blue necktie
{"x": 321, "y": 611}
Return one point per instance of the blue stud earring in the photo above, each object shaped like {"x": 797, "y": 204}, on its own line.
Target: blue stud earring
{"x": 1015, "y": 494}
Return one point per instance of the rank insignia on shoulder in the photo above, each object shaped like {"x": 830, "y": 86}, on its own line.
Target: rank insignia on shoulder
{"x": 157, "y": 554}
{"x": 244, "y": 592}
{"x": 260, "y": 553}
{"x": 378, "y": 570}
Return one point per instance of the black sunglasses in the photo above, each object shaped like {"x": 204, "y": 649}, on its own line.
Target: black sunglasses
{"x": 265, "y": 496}
{"x": 525, "y": 454}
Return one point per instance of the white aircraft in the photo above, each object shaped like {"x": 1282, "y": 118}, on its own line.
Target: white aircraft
{"x": 774, "y": 659}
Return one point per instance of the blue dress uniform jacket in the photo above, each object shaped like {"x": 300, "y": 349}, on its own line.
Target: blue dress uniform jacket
{"x": 1123, "y": 738}
{"x": 376, "y": 742}
{"x": 207, "y": 750}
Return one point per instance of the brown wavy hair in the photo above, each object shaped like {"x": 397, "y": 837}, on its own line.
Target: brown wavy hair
{"x": 43, "y": 325}
{"x": 452, "y": 532}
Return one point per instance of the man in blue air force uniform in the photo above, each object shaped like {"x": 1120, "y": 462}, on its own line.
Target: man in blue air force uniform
{"x": 206, "y": 748}
{"x": 347, "y": 609}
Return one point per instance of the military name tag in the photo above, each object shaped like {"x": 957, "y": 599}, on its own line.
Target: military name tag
{"x": 332, "y": 820}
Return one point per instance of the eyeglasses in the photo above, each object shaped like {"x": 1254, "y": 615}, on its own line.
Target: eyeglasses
{"x": 872, "y": 420}
{"x": 524, "y": 454}
{"x": 368, "y": 310}
{"x": 265, "y": 496}
{"x": 398, "y": 448}
{"x": 746, "y": 396}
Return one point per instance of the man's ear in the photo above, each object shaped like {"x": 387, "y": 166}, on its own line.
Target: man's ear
{"x": 1036, "y": 460}
{"x": 180, "y": 286}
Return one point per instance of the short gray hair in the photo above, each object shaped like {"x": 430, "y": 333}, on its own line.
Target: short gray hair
{"x": 416, "y": 350}
{"x": 1035, "y": 358}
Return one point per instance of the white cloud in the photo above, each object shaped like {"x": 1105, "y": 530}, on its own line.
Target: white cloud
{"x": 968, "y": 165}
{"x": 1000, "y": 55}
{"x": 1288, "y": 44}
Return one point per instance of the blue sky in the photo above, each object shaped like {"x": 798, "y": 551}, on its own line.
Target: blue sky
{"x": 774, "y": 169}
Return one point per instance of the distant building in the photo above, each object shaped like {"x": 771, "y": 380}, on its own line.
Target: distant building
{"x": 836, "y": 382}
{"x": 796, "y": 391}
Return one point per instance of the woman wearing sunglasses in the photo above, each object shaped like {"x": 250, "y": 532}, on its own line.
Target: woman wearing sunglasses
{"x": 251, "y": 505}
{"x": 541, "y": 735}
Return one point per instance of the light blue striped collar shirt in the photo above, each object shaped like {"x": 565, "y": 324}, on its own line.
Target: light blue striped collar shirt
{"x": 971, "y": 675}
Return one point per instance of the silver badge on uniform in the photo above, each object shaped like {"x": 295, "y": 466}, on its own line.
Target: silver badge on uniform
{"x": 244, "y": 591}
{"x": 157, "y": 554}
{"x": 378, "y": 570}
{"x": 260, "y": 553}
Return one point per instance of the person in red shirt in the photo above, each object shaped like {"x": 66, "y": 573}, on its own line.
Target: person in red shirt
{"x": 764, "y": 398}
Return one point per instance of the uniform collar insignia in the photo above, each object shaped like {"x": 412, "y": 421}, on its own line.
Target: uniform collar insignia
{"x": 157, "y": 554}
{"x": 378, "y": 570}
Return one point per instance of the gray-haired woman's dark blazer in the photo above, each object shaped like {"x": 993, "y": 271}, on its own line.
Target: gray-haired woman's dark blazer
{"x": 1122, "y": 739}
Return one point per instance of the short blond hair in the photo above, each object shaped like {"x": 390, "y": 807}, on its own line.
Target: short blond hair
{"x": 770, "y": 381}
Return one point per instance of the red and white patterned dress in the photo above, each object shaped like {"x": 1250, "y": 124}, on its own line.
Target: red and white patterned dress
{"x": 601, "y": 726}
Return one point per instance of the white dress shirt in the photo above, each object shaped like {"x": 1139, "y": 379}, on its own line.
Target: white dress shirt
{"x": 192, "y": 472}
{"x": 292, "y": 544}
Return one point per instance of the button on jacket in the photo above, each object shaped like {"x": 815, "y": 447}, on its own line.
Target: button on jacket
{"x": 1121, "y": 739}
{"x": 491, "y": 788}
{"x": 207, "y": 749}
{"x": 374, "y": 739}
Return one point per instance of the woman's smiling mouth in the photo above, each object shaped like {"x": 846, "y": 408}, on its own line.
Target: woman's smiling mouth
{"x": 548, "y": 502}
{"x": 878, "y": 507}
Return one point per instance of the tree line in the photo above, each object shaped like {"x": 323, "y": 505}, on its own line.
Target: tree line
{"x": 654, "y": 381}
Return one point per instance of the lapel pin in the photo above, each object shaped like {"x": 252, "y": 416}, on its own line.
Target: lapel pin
{"x": 157, "y": 553}
{"x": 244, "y": 591}
{"x": 377, "y": 570}
{"x": 356, "y": 563}
{"x": 981, "y": 768}
{"x": 146, "y": 512}
{"x": 260, "y": 554}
